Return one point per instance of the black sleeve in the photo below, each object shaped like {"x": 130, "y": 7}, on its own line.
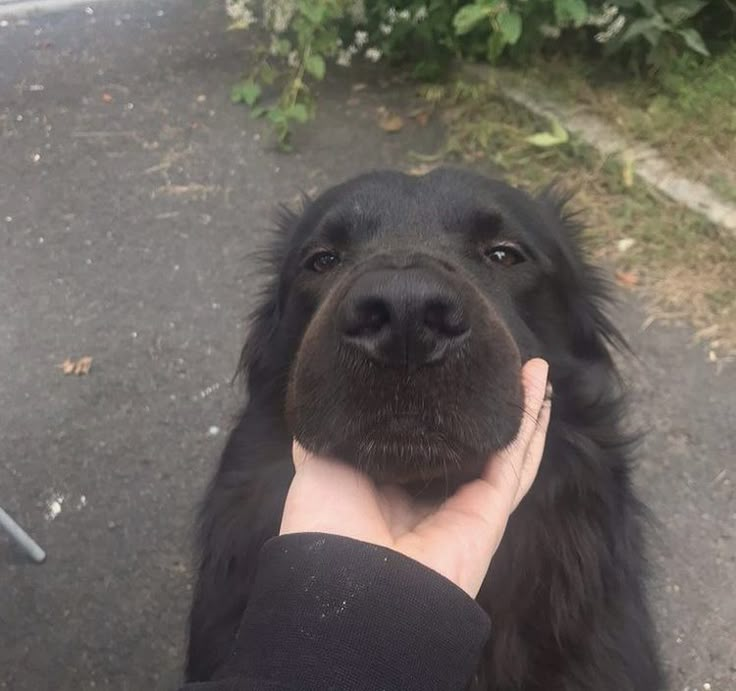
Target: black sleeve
{"x": 331, "y": 613}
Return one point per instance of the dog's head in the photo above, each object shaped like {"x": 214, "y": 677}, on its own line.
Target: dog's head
{"x": 401, "y": 311}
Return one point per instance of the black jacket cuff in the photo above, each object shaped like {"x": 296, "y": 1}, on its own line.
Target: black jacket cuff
{"x": 329, "y": 612}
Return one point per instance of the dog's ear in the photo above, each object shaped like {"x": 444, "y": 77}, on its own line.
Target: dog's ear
{"x": 586, "y": 291}
{"x": 257, "y": 365}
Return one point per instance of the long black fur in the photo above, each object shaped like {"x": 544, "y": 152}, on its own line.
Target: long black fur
{"x": 566, "y": 590}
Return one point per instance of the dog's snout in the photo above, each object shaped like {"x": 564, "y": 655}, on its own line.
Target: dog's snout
{"x": 403, "y": 318}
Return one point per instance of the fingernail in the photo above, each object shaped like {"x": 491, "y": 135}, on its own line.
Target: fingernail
{"x": 548, "y": 392}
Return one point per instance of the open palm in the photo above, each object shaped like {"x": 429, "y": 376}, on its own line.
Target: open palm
{"x": 456, "y": 538}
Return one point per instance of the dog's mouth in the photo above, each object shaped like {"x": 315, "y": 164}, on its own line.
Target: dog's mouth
{"x": 439, "y": 426}
{"x": 407, "y": 448}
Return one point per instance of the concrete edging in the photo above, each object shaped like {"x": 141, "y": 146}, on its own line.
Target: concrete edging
{"x": 25, "y": 8}
{"x": 648, "y": 164}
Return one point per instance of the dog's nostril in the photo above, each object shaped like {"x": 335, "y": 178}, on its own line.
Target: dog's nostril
{"x": 369, "y": 317}
{"x": 445, "y": 319}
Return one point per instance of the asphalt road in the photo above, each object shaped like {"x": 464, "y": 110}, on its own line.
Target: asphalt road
{"x": 131, "y": 196}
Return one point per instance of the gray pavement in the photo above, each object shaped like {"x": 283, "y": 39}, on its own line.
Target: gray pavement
{"x": 131, "y": 196}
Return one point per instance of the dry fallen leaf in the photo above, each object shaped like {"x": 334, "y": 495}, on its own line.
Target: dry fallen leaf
{"x": 472, "y": 156}
{"x": 78, "y": 367}
{"x": 391, "y": 123}
{"x": 353, "y": 102}
{"x": 451, "y": 115}
{"x": 106, "y": 98}
{"x": 422, "y": 169}
{"x": 359, "y": 86}
{"x": 422, "y": 118}
{"x": 625, "y": 244}
{"x": 627, "y": 278}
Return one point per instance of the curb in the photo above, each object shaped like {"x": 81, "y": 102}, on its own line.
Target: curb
{"x": 648, "y": 163}
{"x": 26, "y": 8}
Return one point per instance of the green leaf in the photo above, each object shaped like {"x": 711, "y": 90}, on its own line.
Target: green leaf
{"x": 677, "y": 12}
{"x": 315, "y": 65}
{"x": 283, "y": 47}
{"x": 470, "y": 16}
{"x": 556, "y": 137}
{"x": 258, "y": 112}
{"x": 313, "y": 10}
{"x": 649, "y": 5}
{"x": 277, "y": 116}
{"x": 267, "y": 74}
{"x": 297, "y": 112}
{"x": 571, "y": 11}
{"x": 644, "y": 27}
{"x": 509, "y": 24}
{"x": 694, "y": 41}
{"x": 246, "y": 92}
{"x": 496, "y": 44}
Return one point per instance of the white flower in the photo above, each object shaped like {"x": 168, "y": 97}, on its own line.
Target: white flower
{"x": 280, "y": 22}
{"x": 240, "y": 13}
{"x": 385, "y": 29}
{"x": 357, "y": 12}
{"x": 237, "y": 9}
{"x": 361, "y": 38}
{"x": 344, "y": 58}
{"x": 607, "y": 15}
{"x": 273, "y": 49}
{"x": 392, "y": 14}
{"x": 373, "y": 54}
{"x": 404, "y": 15}
{"x": 421, "y": 14}
{"x": 278, "y": 14}
{"x": 352, "y": 49}
{"x": 610, "y": 11}
{"x": 338, "y": 43}
{"x": 293, "y": 59}
{"x": 247, "y": 18}
{"x": 613, "y": 29}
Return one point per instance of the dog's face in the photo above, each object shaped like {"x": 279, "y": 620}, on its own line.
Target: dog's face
{"x": 404, "y": 310}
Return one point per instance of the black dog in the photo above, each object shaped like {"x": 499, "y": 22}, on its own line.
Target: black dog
{"x": 392, "y": 335}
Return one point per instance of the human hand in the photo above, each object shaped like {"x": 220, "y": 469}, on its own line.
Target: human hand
{"x": 459, "y": 537}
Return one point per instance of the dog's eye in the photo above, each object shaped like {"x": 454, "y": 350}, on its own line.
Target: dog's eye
{"x": 505, "y": 255}
{"x": 323, "y": 261}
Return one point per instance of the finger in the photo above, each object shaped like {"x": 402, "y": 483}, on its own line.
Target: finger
{"x": 480, "y": 510}
{"x": 534, "y": 376}
{"x": 534, "y": 453}
{"x": 504, "y": 469}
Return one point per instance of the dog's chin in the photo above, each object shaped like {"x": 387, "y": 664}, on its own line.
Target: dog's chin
{"x": 417, "y": 459}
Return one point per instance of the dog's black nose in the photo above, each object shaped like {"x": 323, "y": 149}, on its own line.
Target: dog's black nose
{"x": 403, "y": 317}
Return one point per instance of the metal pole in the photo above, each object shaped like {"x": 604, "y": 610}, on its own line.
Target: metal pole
{"x": 22, "y": 538}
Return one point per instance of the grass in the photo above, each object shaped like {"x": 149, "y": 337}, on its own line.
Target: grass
{"x": 687, "y": 111}
{"x": 681, "y": 262}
